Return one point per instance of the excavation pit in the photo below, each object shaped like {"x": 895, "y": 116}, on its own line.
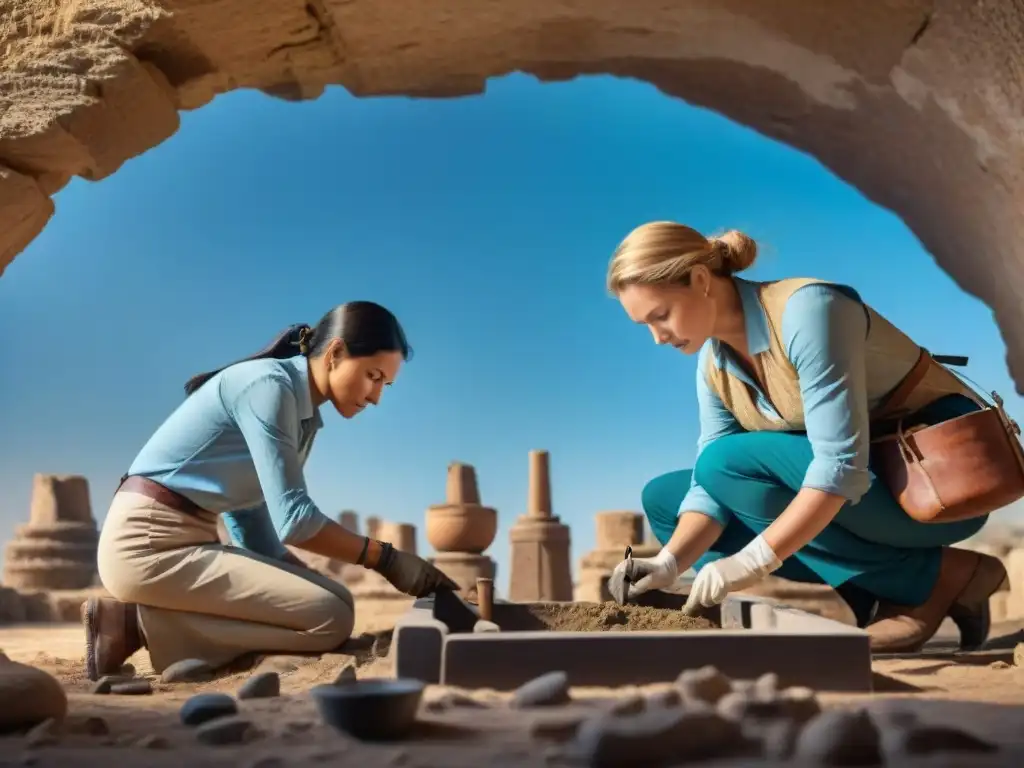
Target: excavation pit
{"x": 610, "y": 645}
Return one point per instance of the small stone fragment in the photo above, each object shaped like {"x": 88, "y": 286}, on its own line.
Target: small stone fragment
{"x": 103, "y": 685}
{"x": 630, "y": 704}
{"x": 127, "y": 670}
{"x": 347, "y": 676}
{"x": 204, "y": 707}
{"x": 800, "y": 704}
{"x": 140, "y": 687}
{"x": 654, "y": 737}
{"x": 38, "y": 694}
{"x": 766, "y": 686}
{"x": 265, "y": 685}
{"x": 224, "y": 731}
{"x": 560, "y": 729}
{"x": 93, "y": 726}
{"x": 547, "y": 690}
{"x": 840, "y": 737}
{"x": 153, "y": 741}
{"x": 452, "y": 700}
{"x": 670, "y": 697}
{"x": 482, "y": 625}
{"x": 188, "y": 671}
{"x": 704, "y": 684}
{"x": 42, "y": 735}
{"x": 1018, "y": 655}
{"x": 999, "y": 665}
{"x": 931, "y": 739}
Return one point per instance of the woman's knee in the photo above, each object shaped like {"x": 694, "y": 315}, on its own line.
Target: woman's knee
{"x": 331, "y": 618}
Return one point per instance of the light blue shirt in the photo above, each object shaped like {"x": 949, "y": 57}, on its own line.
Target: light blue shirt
{"x": 237, "y": 447}
{"x": 824, "y": 332}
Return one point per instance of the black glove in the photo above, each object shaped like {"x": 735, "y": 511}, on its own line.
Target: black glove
{"x": 410, "y": 574}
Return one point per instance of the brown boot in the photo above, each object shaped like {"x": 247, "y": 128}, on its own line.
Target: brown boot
{"x": 112, "y": 635}
{"x": 965, "y": 583}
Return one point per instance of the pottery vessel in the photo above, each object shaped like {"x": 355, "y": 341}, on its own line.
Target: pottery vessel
{"x": 461, "y": 527}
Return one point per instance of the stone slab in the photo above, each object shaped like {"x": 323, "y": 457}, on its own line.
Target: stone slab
{"x": 758, "y": 635}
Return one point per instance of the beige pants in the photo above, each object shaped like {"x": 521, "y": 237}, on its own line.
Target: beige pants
{"x": 199, "y": 599}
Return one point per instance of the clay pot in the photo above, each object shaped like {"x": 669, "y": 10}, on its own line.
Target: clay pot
{"x": 38, "y": 695}
{"x": 461, "y": 527}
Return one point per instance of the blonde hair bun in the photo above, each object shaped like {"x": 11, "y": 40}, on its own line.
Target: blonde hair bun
{"x": 739, "y": 251}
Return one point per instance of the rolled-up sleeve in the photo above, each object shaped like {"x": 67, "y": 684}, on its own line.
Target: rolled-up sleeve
{"x": 824, "y": 332}
{"x": 266, "y": 412}
{"x": 715, "y": 421}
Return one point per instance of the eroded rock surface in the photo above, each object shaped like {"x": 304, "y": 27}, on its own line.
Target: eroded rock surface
{"x": 918, "y": 103}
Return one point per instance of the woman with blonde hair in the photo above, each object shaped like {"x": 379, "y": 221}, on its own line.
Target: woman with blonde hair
{"x": 794, "y": 378}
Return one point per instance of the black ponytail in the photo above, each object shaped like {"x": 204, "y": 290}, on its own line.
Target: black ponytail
{"x": 290, "y": 342}
{"x": 364, "y": 327}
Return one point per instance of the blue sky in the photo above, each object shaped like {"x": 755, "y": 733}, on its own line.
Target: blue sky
{"x": 485, "y": 224}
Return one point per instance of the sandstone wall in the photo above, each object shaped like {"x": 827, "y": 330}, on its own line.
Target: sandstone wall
{"x": 918, "y": 103}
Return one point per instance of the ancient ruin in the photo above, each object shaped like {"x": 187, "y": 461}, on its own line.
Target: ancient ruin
{"x": 541, "y": 568}
{"x": 56, "y": 549}
{"x": 615, "y": 532}
{"x": 878, "y": 93}
{"x": 461, "y": 529}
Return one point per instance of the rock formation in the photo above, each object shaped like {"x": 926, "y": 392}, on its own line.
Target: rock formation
{"x": 540, "y": 543}
{"x": 56, "y": 549}
{"x": 615, "y": 532}
{"x": 917, "y": 103}
{"x": 461, "y": 529}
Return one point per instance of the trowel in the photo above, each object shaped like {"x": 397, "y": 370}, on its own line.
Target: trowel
{"x": 620, "y": 592}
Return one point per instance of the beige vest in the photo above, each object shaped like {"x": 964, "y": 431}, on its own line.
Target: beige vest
{"x": 890, "y": 355}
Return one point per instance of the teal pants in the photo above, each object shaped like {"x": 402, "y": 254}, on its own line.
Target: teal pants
{"x": 871, "y": 551}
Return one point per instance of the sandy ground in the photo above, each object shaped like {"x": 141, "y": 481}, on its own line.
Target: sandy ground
{"x": 145, "y": 731}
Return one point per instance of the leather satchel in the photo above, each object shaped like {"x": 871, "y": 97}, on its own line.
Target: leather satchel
{"x": 959, "y": 469}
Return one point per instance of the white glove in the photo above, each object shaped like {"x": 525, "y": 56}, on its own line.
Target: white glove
{"x": 656, "y": 572}
{"x": 747, "y": 567}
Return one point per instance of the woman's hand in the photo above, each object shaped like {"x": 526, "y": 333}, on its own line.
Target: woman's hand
{"x": 649, "y": 573}
{"x": 411, "y": 574}
{"x": 716, "y": 580}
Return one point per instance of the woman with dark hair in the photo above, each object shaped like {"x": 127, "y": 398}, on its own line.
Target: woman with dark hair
{"x": 236, "y": 447}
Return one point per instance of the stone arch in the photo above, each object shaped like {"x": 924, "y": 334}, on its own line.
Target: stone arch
{"x": 917, "y": 103}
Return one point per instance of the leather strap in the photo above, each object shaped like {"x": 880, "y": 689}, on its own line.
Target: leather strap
{"x": 903, "y": 390}
{"x": 160, "y": 494}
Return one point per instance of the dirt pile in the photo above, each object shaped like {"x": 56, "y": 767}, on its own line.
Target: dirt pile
{"x": 596, "y": 617}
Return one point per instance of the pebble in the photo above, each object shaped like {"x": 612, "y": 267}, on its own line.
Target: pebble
{"x": 560, "y": 729}
{"x": 671, "y": 697}
{"x": 654, "y": 737}
{"x": 204, "y": 707}
{"x": 347, "y": 676}
{"x": 140, "y": 687}
{"x": 103, "y": 685}
{"x": 547, "y": 690}
{"x": 795, "y": 704}
{"x": 42, "y": 735}
{"x": 187, "y": 671}
{"x": 704, "y": 684}
{"x": 999, "y": 665}
{"x": 38, "y": 694}
{"x": 630, "y": 704}
{"x": 840, "y": 737}
{"x": 224, "y": 731}
{"x": 265, "y": 685}
{"x": 452, "y": 700}
{"x": 931, "y": 739}
{"x": 766, "y": 686}
{"x": 152, "y": 741}
{"x": 482, "y": 625}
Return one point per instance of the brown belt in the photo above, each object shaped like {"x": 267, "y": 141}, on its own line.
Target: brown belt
{"x": 161, "y": 494}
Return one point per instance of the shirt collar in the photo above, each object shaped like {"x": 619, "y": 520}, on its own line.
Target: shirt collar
{"x": 755, "y": 322}
{"x": 298, "y": 369}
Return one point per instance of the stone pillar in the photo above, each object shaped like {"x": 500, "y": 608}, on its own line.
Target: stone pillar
{"x": 402, "y": 536}
{"x": 372, "y": 527}
{"x": 615, "y": 531}
{"x": 57, "y": 548}
{"x": 461, "y": 529}
{"x": 349, "y": 520}
{"x": 540, "y": 543}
